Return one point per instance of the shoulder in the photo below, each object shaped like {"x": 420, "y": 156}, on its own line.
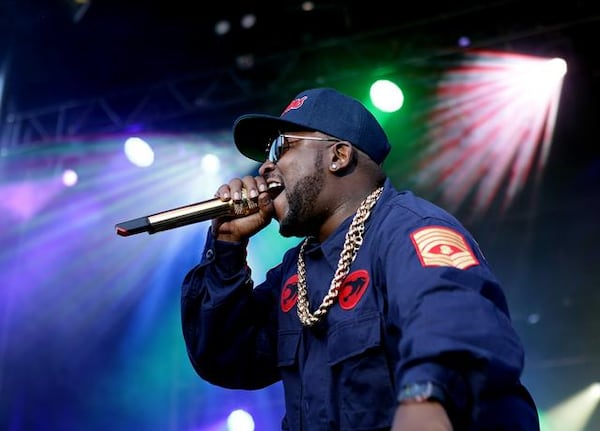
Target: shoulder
{"x": 404, "y": 218}
{"x": 405, "y": 209}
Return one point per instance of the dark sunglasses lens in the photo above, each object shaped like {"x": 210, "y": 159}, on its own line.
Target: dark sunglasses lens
{"x": 275, "y": 149}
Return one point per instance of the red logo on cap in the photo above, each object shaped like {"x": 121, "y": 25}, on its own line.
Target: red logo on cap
{"x": 295, "y": 104}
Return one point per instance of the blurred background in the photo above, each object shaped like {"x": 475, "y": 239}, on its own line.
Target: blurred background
{"x": 112, "y": 110}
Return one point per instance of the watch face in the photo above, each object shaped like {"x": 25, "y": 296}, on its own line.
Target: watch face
{"x": 419, "y": 392}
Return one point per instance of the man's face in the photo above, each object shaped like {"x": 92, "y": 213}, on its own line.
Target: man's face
{"x": 300, "y": 169}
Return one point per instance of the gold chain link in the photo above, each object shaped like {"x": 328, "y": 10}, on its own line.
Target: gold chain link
{"x": 353, "y": 241}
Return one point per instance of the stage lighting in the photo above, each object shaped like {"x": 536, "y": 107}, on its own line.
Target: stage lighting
{"x": 139, "y": 152}
{"x": 240, "y": 420}
{"x": 490, "y": 129}
{"x": 464, "y": 41}
{"x": 78, "y": 8}
{"x": 69, "y": 177}
{"x": 573, "y": 413}
{"x": 210, "y": 164}
{"x": 386, "y": 95}
{"x": 248, "y": 21}
{"x": 222, "y": 27}
{"x": 308, "y": 6}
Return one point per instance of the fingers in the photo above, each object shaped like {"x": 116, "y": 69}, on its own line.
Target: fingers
{"x": 238, "y": 188}
{"x": 238, "y": 228}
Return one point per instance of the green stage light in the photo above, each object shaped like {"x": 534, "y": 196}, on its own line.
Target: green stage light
{"x": 386, "y": 95}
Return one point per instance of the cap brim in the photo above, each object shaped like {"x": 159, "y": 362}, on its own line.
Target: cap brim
{"x": 252, "y": 133}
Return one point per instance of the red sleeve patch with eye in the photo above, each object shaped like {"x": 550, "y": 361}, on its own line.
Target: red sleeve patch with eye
{"x": 442, "y": 246}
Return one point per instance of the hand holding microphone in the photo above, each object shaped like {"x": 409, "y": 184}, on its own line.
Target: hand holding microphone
{"x": 201, "y": 211}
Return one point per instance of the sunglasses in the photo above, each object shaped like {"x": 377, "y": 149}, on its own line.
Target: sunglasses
{"x": 280, "y": 144}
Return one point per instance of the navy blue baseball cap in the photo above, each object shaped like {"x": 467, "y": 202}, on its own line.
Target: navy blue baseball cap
{"x": 320, "y": 109}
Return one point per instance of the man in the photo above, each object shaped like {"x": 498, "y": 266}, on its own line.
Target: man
{"x": 385, "y": 316}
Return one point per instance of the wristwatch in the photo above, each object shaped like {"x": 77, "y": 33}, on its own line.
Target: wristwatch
{"x": 423, "y": 391}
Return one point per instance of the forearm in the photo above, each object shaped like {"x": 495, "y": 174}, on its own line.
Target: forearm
{"x": 421, "y": 416}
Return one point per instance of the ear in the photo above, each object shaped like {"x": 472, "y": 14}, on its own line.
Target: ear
{"x": 341, "y": 156}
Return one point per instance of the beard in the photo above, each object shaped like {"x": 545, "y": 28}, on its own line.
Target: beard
{"x": 300, "y": 219}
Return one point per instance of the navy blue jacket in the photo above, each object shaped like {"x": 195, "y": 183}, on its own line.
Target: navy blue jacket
{"x": 420, "y": 304}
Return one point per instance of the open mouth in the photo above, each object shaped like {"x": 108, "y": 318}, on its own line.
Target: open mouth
{"x": 275, "y": 188}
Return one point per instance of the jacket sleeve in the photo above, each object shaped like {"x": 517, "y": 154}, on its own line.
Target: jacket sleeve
{"x": 229, "y": 327}
{"x": 455, "y": 325}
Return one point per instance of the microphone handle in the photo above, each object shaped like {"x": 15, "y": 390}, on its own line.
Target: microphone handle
{"x": 188, "y": 214}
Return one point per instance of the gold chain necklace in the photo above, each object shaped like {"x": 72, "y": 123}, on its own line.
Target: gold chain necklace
{"x": 353, "y": 241}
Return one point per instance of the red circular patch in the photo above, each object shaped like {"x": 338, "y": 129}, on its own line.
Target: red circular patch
{"x": 353, "y": 288}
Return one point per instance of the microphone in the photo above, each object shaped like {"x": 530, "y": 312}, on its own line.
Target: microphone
{"x": 193, "y": 213}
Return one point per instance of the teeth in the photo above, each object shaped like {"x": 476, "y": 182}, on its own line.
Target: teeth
{"x": 274, "y": 185}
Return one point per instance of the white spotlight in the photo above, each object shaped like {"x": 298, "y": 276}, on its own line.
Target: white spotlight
{"x": 69, "y": 177}
{"x": 222, "y": 27}
{"x": 240, "y": 420}
{"x": 573, "y": 413}
{"x": 210, "y": 164}
{"x": 248, "y": 21}
{"x": 558, "y": 66}
{"x": 139, "y": 152}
